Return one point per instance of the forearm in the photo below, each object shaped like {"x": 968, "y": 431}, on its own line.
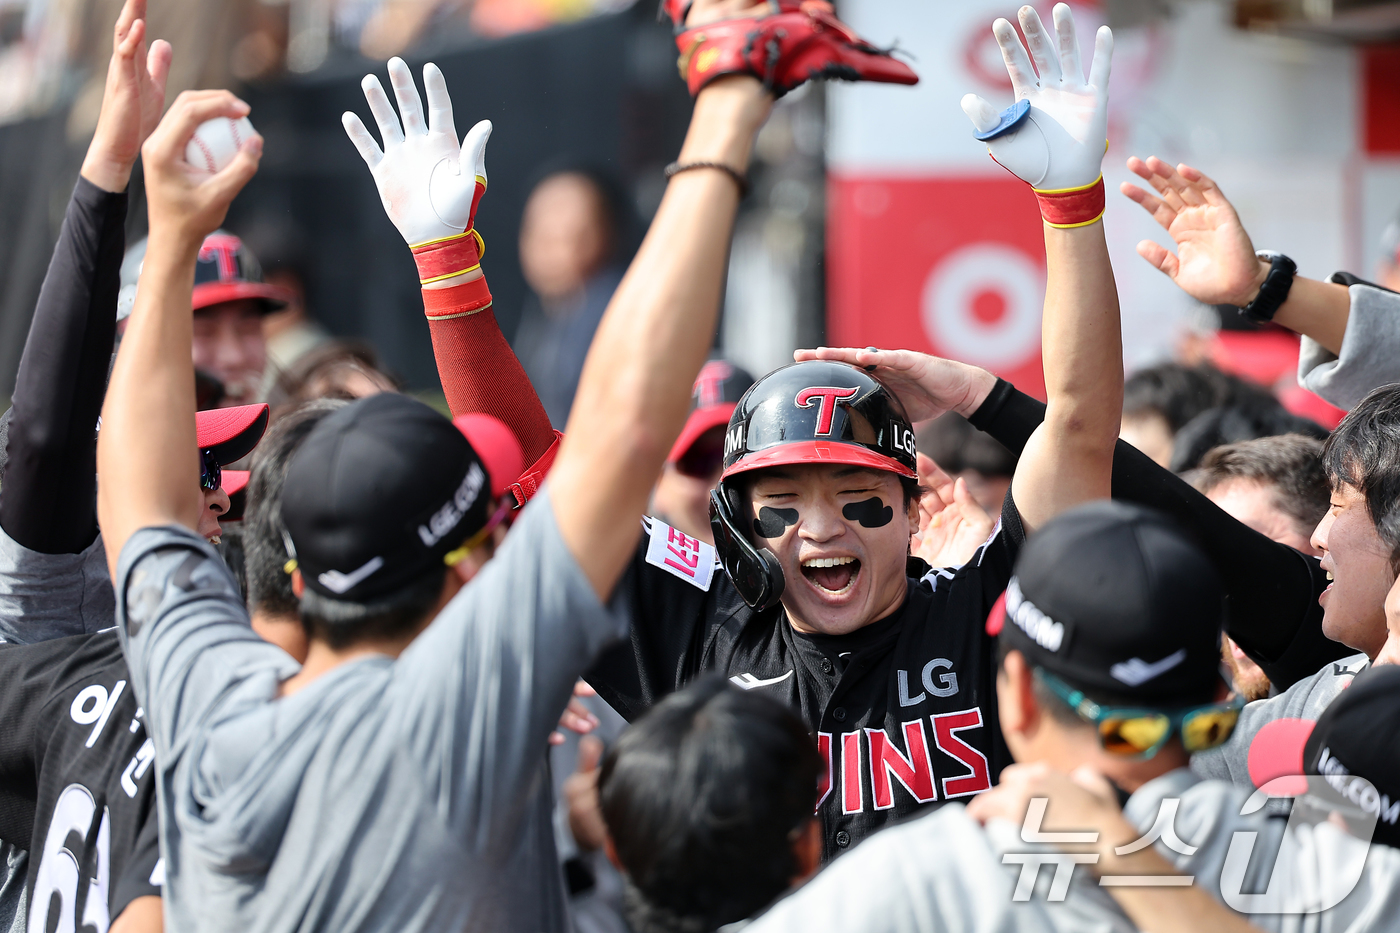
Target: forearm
{"x": 1160, "y": 908}
{"x": 1070, "y": 459}
{"x": 1272, "y": 591}
{"x": 1314, "y": 309}
{"x": 634, "y": 392}
{"x": 147, "y": 462}
{"x": 478, "y": 369}
{"x": 48, "y": 499}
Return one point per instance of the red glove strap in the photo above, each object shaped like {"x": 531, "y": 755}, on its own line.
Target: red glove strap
{"x": 441, "y": 259}
{"x": 530, "y": 481}
{"x": 1072, "y": 207}
{"x": 444, "y": 304}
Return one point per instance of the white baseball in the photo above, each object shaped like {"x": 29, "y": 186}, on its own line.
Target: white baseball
{"x": 216, "y": 142}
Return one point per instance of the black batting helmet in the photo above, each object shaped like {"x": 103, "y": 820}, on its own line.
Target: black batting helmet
{"x": 812, "y": 412}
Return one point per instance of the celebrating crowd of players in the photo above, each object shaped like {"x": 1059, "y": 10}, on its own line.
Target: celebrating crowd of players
{"x": 830, "y": 654}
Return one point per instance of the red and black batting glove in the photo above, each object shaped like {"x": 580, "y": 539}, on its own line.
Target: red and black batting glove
{"x": 796, "y": 42}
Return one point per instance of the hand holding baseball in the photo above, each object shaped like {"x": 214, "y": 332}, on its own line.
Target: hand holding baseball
{"x": 131, "y": 102}
{"x": 429, "y": 183}
{"x": 1215, "y": 261}
{"x": 187, "y": 203}
{"x": 1060, "y": 142}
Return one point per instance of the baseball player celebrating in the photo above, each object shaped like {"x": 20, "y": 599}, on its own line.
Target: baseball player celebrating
{"x": 808, "y": 593}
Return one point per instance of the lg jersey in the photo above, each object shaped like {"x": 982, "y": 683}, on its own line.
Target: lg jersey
{"x": 75, "y": 780}
{"x": 904, "y": 710}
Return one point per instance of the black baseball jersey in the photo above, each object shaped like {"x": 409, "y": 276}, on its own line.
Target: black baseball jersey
{"x": 904, "y": 709}
{"x": 74, "y": 749}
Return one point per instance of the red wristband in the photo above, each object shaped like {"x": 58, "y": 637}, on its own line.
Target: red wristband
{"x": 444, "y": 304}
{"x": 1072, "y": 207}
{"x": 442, "y": 259}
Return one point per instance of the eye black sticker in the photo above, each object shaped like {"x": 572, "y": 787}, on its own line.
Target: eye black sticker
{"x": 771, "y": 522}
{"x": 871, "y": 513}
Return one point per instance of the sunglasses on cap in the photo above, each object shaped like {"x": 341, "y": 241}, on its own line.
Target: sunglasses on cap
{"x": 211, "y": 475}
{"x": 1141, "y": 733}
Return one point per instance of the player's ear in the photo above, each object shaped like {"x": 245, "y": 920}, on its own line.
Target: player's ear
{"x": 1016, "y": 702}
{"x": 807, "y": 850}
{"x": 298, "y": 584}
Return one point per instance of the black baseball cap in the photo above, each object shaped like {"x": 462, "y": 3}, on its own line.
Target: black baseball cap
{"x": 1115, "y": 600}
{"x": 379, "y": 494}
{"x": 1356, "y": 737}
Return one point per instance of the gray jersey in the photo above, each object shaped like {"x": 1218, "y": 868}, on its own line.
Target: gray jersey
{"x": 943, "y": 872}
{"x": 1370, "y": 350}
{"x": 1304, "y": 700}
{"x": 1209, "y": 818}
{"x": 402, "y": 795}
{"x": 45, "y": 596}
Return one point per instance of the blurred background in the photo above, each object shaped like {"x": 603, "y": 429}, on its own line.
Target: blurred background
{"x": 875, "y": 217}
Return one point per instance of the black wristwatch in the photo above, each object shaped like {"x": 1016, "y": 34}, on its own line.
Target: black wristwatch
{"x": 1274, "y": 291}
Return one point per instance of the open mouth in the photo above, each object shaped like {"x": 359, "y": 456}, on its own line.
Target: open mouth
{"x": 215, "y": 539}
{"x": 835, "y": 575}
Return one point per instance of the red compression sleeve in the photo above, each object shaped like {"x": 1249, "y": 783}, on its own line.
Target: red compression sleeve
{"x": 478, "y": 369}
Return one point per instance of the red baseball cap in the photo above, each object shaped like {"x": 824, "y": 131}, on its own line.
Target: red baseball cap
{"x": 231, "y": 433}
{"x": 496, "y": 445}
{"x": 717, "y": 390}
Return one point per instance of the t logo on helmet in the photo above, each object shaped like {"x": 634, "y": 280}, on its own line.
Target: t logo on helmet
{"x": 829, "y": 396}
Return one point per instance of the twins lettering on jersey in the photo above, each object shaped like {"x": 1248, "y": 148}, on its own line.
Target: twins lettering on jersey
{"x": 870, "y": 758}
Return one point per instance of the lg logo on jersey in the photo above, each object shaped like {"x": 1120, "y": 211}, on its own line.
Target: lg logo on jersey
{"x": 947, "y": 683}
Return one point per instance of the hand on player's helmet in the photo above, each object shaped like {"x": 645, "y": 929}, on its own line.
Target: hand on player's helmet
{"x": 1059, "y": 143}
{"x": 182, "y": 201}
{"x": 952, "y": 526}
{"x": 429, "y": 183}
{"x": 927, "y": 386}
{"x": 1215, "y": 261}
{"x": 132, "y": 100}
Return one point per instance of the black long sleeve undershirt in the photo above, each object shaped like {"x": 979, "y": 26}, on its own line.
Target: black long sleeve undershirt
{"x": 1273, "y": 613}
{"x": 49, "y": 495}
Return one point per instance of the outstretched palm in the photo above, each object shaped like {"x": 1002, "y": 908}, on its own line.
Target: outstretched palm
{"x": 1215, "y": 261}
{"x": 952, "y": 526}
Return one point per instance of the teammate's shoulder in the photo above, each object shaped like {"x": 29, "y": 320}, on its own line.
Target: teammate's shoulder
{"x": 672, "y": 551}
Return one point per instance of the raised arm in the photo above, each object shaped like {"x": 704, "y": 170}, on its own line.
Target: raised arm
{"x": 1215, "y": 261}
{"x": 49, "y": 493}
{"x": 1053, "y": 138}
{"x": 147, "y": 465}
{"x": 634, "y": 393}
{"x": 431, "y": 185}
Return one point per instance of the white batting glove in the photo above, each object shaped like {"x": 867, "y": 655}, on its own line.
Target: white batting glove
{"x": 430, "y": 186}
{"x": 1055, "y": 135}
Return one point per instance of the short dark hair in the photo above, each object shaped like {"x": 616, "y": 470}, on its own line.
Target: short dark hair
{"x": 264, "y": 537}
{"x": 1175, "y": 392}
{"x": 341, "y": 623}
{"x": 1291, "y": 464}
{"x": 1364, "y": 453}
{"x": 955, "y": 445}
{"x": 703, "y": 798}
